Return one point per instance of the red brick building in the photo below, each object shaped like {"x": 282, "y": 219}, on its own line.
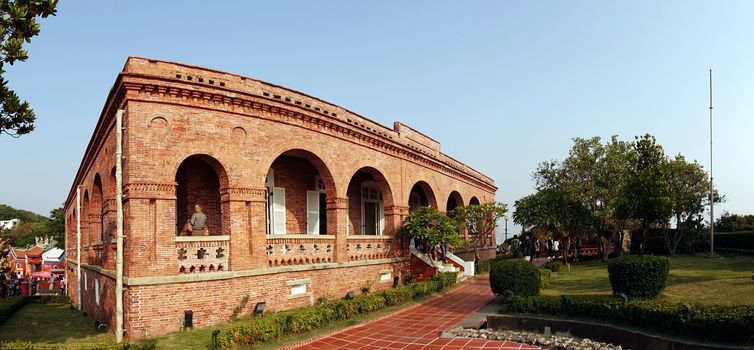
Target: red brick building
{"x": 302, "y": 198}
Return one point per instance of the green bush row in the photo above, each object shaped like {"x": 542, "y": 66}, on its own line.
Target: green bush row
{"x": 27, "y": 345}
{"x": 10, "y": 306}
{"x": 269, "y": 327}
{"x": 51, "y": 299}
{"x": 514, "y": 276}
{"x": 735, "y": 240}
{"x": 554, "y": 265}
{"x": 545, "y": 276}
{"x": 639, "y": 276}
{"x": 719, "y": 322}
{"x": 484, "y": 266}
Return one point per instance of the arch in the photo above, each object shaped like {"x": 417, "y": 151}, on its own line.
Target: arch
{"x": 210, "y": 160}
{"x": 474, "y": 201}
{"x": 85, "y": 218}
{"x": 368, "y": 194}
{"x": 421, "y": 194}
{"x": 95, "y": 211}
{"x": 199, "y": 180}
{"x": 298, "y": 184}
{"x": 111, "y": 185}
{"x": 454, "y": 201}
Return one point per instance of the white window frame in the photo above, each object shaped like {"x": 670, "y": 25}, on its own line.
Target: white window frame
{"x": 96, "y": 290}
{"x": 370, "y": 186}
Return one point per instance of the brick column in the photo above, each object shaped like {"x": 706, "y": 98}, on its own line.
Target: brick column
{"x": 336, "y": 225}
{"x": 394, "y": 217}
{"x": 149, "y": 229}
{"x": 244, "y": 212}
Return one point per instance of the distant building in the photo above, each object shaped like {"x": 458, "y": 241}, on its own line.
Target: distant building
{"x": 9, "y": 224}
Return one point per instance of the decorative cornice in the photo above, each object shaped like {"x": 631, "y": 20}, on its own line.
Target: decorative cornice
{"x": 149, "y": 190}
{"x": 288, "y": 112}
{"x": 243, "y": 194}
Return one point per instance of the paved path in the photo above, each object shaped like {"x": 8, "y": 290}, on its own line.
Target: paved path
{"x": 419, "y": 327}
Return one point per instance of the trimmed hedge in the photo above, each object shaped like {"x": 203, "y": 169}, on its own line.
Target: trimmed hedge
{"x": 718, "y": 322}
{"x": 545, "y": 276}
{"x": 484, "y": 266}
{"x": 735, "y": 240}
{"x": 10, "y": 306}
{"x": 515, "y": 276}
{"x": 639, "y": 276}
{"x": 27, "y": 345}
{"x": 554, "y": 265}
{"x": 250, "y": 331}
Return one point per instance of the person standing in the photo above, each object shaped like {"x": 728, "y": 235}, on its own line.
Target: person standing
{"x": 526, "y": 247}
{"x": 549, "y": 246}
{"x": 556, "y": 248}
{"x": 198, "y": 221}
{"x": 537, "y": 248}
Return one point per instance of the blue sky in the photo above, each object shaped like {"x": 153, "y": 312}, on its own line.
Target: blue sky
{"x": 503, "y": 85}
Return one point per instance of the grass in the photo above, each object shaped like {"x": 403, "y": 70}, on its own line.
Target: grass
{"x": 52, "y": 324}
{"x": 727, "y": 280}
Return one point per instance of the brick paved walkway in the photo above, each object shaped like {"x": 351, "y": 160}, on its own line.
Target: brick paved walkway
{"x": 419, "y": 327}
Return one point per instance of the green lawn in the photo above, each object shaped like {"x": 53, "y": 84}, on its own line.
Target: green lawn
{"x": 52, "y": 324}
{"x": 692, "y": 279}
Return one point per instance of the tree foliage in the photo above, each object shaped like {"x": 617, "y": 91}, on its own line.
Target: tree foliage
{"x": 32, "y": 226}
{"x": 646, "y": 193}
{"x": 18, "y": 24}
{"x": 733, "y": 222}
{"x": 431, "y": 227}
{"x": 619, "y": 186}
{"x": 480, "y": 221}
{"x": 689, "y": 195}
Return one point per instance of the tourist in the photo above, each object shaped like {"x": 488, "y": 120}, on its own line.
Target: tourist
{"x": 577, "y": 247}
{"x": 537, "y": 248}
{"x": 526, "y": 247}
{"x": 515, "y": 246}
{"x": 198, "y": 221}
{"x": 556, "y": 249}
{"x": 549, "y": 245}
{"x": 62, "y": 286}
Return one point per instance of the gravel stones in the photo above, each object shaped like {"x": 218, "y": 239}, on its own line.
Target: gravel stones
{"x": 546, "y": 342}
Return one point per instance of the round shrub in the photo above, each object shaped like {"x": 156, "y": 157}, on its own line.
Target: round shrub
{"x": 517, "y": 276}
{"x": 554, "y": 265}
{"x": 639, "y": 276}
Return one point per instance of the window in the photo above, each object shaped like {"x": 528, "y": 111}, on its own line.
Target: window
{"x": 96, "y": 290}
{"x": 299, "y": 288}
{"x": 385, "y": 276}
{"x": 372, "y": 209}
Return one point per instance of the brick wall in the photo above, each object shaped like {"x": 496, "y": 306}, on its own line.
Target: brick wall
{"x": 159, "y": 309}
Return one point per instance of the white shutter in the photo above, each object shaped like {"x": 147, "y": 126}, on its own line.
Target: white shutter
{"x": 278, "y": 210}
{"x": 312, "y": 212}
{"x": 381, "y": 219}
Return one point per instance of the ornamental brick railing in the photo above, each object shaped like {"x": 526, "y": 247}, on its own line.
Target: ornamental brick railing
{"x": 96, "y": 254}
{"x": 283, "y": 250}
{"x": 364, "y": 247}
{"x": 199, "y": 254}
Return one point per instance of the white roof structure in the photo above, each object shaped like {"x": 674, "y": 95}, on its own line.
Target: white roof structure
{"x": 53, "y": 255}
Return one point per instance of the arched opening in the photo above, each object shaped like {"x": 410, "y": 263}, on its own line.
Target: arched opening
{"x": 95, "y": 213}
{"x": 298, "y": 184}
{"x": 421, "y": 195}
{"x": 454, "y": 201}
{"x": 368, "y": 195}
{"x": 199, "y": 178}
{"x": 474, "y": 201}
{"x": 85, "y": 218}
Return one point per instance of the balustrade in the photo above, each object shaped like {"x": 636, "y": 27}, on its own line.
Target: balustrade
{"x": 285, "y": 250}
{"x": 197, "y": 254}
